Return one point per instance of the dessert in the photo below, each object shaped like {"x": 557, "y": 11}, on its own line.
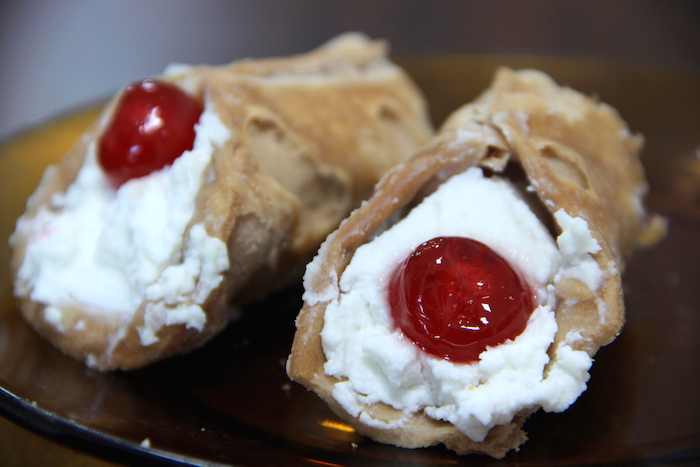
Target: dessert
{"x": 205, "y": 188}
{"x": 474, "y": 287}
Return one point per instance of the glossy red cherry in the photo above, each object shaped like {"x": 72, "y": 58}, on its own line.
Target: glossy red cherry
{"x": 152, "y": 125}
{"x": 455, "y": 296}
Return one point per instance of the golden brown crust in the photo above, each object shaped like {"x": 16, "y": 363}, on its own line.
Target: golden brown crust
{"x": 311, "y": 135}
{"x": 577, "y": 154}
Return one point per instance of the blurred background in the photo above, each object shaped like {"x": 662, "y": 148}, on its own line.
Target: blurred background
{"x": 56, "y": 56}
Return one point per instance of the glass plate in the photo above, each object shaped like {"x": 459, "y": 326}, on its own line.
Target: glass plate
{"x": 231, "y": 402}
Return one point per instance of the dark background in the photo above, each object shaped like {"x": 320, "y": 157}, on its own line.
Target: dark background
{"x": 55, "y": 56}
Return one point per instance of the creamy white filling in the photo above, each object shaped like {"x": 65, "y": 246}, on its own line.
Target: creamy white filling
{"x": 577, "y": 244}
{"x": 377, "y": 363}
{"x": 112, "y": 250}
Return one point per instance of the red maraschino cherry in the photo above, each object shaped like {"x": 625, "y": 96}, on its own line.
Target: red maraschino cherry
{"x": 152, "y": 126}
{"x": 455, "y": 296}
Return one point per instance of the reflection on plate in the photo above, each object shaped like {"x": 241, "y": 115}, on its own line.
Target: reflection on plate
{"x": 232, "y": 403}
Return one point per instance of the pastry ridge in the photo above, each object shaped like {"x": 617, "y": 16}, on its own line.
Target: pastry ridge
{"x": 564, "y": 142}
{"x": 308, "y": 142}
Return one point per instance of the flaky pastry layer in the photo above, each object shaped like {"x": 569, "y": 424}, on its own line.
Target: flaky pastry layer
{"x": 576, "y": 153}
{"x": 311, "y": 135}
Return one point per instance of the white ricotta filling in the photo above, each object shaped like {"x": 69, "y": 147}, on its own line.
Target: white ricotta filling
{"x": 112, "y": 250}
{"x": 577, "y": 244}
{"x": 377, "y": 363}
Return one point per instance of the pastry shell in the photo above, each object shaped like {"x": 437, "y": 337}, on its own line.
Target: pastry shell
{"x": 310, "y": 136}
{"x": 576, "y": 154}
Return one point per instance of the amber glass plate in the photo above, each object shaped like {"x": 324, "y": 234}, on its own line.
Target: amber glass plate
{"x": 231, "y": 402}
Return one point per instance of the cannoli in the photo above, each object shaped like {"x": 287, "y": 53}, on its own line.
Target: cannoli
{"x": 474, "y": 287}
{"x": 134, "y": 248}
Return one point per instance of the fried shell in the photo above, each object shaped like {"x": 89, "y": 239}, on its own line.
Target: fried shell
{"x": 577, "y": 154}
{"x": 310, "y": 136}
